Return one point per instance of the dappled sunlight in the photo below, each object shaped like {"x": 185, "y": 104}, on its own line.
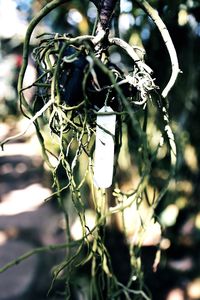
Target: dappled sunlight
{"x": 182, "y": 265}
{"x": 27, "y": 199}
{"x": 21, "y": 149}
{"x": 169, "y": 215}
{"x": 3, "y": 238}
{"x": 75, "y": 18}
{"x": 165, "y": 244}
{"x": 176, "y": 294}
{"x": 139, "y": 225}
{"x": 197, "y": 221}
{"x": 193, "y": 289}
{"x": 9, "y": 15}
{"x": 126, "y": 21}
{"x": 182, "y": 17}
{"x": 190, "y": 156}
{"x": 76, "y": 227}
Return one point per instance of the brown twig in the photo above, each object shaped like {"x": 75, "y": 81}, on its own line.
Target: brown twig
{"x": 105, "y": 9}
{"x": 106, "y": 12}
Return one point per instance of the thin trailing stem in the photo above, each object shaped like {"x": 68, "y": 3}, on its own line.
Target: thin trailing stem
{"x": 30, "y": 122}
{"x": 37, "y": 251}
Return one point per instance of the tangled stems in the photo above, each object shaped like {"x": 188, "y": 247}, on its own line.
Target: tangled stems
{"x": 71, "y": 121}
{"x": 97, "y": 250}
{"x": 44, "y": 11}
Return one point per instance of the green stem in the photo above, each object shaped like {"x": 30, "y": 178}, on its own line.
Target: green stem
{"x": 44, "y": 11}
{"x": 36, "y": 251}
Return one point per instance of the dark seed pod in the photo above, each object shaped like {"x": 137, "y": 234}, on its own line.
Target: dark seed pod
{"x": 71, "y": 77}
{"x": 105, "y": 9}
{"x": 106, "y": 12}
{"x": 99, "y": 88}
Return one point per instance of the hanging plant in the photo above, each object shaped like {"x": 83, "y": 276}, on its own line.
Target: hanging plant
{"x": 86, "y": 103}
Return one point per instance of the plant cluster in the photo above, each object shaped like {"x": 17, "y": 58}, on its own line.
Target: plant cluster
{"x": 75, "y": 79}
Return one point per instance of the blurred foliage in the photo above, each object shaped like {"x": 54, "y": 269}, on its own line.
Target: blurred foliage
{"x": 179, "y": 210}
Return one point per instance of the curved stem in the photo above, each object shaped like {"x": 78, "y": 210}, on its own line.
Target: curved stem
{"x": 44, "y": 11}
{"x": 167, "y": 40}
{"x": 131, "y": 52}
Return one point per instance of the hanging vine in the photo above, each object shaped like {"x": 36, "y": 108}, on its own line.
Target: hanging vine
{"x": 75, "y": 80}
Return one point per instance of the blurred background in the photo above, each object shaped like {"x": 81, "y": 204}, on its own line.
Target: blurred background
{"x": 25, "y": 221}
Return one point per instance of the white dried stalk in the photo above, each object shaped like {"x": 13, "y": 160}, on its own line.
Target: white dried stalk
{"x": 168, "y": 42}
